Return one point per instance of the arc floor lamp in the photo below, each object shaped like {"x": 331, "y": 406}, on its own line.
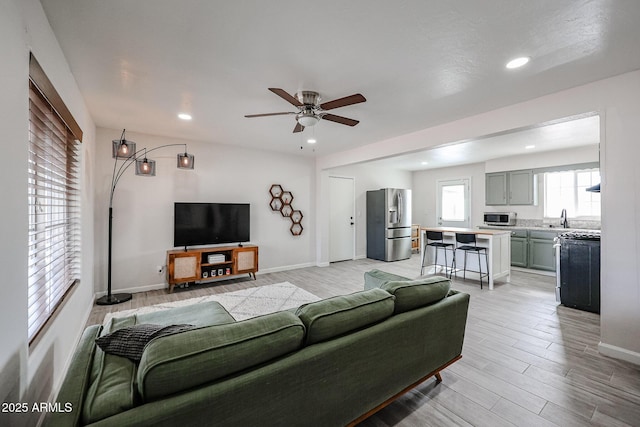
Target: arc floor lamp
{"x": 125, "y": 153}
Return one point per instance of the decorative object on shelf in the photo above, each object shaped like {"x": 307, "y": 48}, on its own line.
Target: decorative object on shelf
{"x": 286, "y": 210}
{"x": 281, "y": 202}
{"x": 125, "y": 151}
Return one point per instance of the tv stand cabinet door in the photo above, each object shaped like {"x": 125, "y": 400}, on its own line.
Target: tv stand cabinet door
{"x": 246, "y": 260}
{"x": 183, "y": 267}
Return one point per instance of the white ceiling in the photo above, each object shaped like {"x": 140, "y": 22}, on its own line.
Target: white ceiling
{"x": 563, "y": 134}
{"x": 419, "y": 63}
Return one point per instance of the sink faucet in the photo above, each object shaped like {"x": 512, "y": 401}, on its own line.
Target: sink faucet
{"x": 563, "y": 219}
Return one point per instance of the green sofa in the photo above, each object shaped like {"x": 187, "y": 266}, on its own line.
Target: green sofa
{"x": 328, "y": 363}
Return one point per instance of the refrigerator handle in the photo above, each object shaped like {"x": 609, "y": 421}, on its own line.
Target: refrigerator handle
{"x": 400, "y": 208}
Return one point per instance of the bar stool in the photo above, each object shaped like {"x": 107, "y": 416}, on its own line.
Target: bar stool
{"x": 435, "y": 239}
{"x": 469, "y": 244}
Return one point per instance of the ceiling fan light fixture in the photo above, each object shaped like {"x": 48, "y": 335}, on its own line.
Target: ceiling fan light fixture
{"x": 307, "y": 119}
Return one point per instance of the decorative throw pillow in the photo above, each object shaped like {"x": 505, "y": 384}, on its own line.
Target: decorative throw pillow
{"x": 130, "y": 342}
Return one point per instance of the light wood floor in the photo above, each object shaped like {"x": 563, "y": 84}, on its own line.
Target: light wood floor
{"x": 526, "y": 360}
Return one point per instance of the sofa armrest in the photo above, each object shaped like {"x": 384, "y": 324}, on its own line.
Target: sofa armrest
{"x": 74, "y": 387}
{"x": 376, "y": 278}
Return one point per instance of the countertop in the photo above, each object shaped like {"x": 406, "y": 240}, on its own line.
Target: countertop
{"x": 550, "y": 229}
{"x": 491, "y": 231}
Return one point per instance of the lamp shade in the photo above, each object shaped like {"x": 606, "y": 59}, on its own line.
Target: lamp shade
{"x": 146, "y": 167}
{"x": 123, "y": 149}
{"x": 185, "y": 160}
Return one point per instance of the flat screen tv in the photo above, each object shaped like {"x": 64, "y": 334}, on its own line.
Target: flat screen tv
{"x": 210, "y": 223}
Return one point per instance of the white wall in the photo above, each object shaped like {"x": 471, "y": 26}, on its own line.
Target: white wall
{"x": 425, "y": 192}
{"x": 366, "y": 178}
{"x": 425, "y": 182}
{"x": 616, "y": 100}
{"x": 32, "y": 374}
{"x": 143, "y": 206}
{"x": 533, "y": 160}
{"x": 546, "y": 159}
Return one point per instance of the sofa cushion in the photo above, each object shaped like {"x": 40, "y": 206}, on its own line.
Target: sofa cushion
{"x": 411, "y": 294}
{"x": 112, "y": 379}
{"x": 129, "y": 342}
{"x": 182, "y": 361}
{"x": 376, "y": 278}
{"x": 200, "y": 314}
{"x": 339, "y": 315}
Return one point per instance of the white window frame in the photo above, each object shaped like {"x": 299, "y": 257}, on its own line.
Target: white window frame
{"x": 571, "y": 210}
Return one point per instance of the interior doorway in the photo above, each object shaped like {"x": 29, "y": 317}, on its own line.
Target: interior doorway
{"x": 341, "y": 218}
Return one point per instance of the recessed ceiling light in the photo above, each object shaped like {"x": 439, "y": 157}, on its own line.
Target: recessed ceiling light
{"x": 425, "y": 163}
{"x": 184, "y": 116}
{"x": 517, "y": 62}
{"x": 311, "y": 141}
{"x": 529, "y": 147}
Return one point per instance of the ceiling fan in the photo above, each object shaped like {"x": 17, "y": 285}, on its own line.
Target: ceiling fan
{"x": 310, "y": 111}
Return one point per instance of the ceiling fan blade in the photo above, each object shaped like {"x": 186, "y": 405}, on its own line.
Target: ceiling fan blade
{"x": 343, "y": 102}
{"x": 298, "y": 128}
{"x": 340, "y": 119}
{"x": 284, "y": 95}
{"x": 269, "y": 114}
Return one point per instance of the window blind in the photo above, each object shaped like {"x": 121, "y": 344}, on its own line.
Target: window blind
{"x": 54, "y": 210}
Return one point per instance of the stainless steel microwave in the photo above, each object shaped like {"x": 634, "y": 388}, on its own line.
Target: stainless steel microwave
{"x": 500, "y": 218}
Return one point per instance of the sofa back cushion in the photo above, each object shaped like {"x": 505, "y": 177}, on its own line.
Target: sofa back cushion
{"x": 339, "y": 315}
{"x": 411, "y": 294}
{"x": 112, "y": 378}
{"x": 189, "y": 359}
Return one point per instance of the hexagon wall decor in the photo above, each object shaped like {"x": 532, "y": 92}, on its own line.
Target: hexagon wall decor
{"x": 281, "y": 202}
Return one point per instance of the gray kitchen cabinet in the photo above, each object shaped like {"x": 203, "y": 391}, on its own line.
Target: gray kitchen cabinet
{"x": 521, "y": 187}
{"x": 519, "y": 248}
{"x": 542, "y": 255}
{"x": 510, "y": 188}
{"x": 533, "y": 249}
{"x": 496, "y": 188}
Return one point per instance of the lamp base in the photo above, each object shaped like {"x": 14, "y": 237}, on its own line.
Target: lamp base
{"x": 113, "y": 299}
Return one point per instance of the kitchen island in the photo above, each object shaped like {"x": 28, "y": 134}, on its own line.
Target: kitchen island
{"x": 497, "y": 242}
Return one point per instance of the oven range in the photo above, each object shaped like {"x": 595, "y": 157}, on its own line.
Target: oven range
{"x": 578, "y": 270}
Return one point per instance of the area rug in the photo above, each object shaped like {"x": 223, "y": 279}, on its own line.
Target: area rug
{"x": 242, "y": 304}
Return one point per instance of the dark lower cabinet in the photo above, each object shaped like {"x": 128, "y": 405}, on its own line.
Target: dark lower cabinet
{"x": 580, "y": 274}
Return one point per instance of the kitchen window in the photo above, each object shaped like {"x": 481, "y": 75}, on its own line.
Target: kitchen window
{"x": 567, "y": 190}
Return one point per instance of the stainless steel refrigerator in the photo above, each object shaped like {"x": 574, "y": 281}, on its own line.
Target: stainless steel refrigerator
{"x": 389, "y": 224}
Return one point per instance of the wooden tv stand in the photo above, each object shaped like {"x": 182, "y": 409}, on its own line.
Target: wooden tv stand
{"x": 192, "y": 265}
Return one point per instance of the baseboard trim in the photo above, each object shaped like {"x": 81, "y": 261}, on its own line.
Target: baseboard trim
{"x": 619, "y": 353}
{"x": 157, "y": 286}
{"x": 135, "y": 290}
{"x": 532, "y": 271}
{"x": 287, "y": 267}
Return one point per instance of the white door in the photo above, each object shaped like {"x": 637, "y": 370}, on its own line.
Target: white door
{"x": 453, "y": 206}
{"x": 341, "y": 218}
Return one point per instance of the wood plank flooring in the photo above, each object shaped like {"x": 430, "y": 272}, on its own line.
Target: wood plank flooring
{"x": 527, "y": 361}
